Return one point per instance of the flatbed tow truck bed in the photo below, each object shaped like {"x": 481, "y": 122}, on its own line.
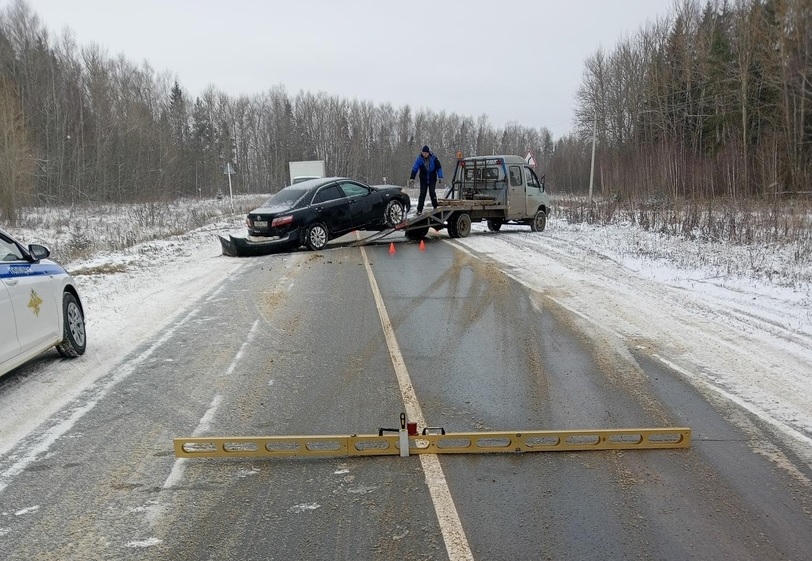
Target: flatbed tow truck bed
{"x": 416, "y": 227}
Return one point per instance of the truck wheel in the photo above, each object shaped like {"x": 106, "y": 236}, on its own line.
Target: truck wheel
{"x": 459, "y": 226}
{"x": 417, "y": 234}
{"x": 539, "y": 221}
{"x": 316, "y": 237}
{"x": 74, "y": 340}
{"x": 494, "y": 224}
{"x": 395, "y": 213}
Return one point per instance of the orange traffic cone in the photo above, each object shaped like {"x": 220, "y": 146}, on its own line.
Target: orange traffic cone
{"x": 422, "y": 245}
{"x": 391, "y": 247}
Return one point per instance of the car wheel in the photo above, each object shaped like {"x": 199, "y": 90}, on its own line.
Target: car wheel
{"x": 417, "y": 234}
{"x": 539, "y": 221}
{"x": 460, "y": 225}
{"x": 316, "y": 237}
{"x": 74, "y": 338}
{"x": 395, "y": 213}
{"x": 494, "y": 224}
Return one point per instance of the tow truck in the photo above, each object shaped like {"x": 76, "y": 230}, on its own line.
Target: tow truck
{"x": 497, "y": 189}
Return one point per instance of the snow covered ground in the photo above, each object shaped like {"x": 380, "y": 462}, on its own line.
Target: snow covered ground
{"x": 739, "y": 337}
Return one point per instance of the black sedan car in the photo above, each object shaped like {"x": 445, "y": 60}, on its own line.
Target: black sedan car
{"x": 312, "y": 212}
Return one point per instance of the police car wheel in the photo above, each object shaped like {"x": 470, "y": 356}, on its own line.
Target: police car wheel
{"x": 74, "y": 341}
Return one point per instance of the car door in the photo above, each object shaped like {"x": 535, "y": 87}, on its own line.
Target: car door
{"x": 332, "y": 208}
{"x": 9, "y": 346}
{"x": 517, "y": 197}
{"x": 33, "y": 301}
{"x": 365, "y": 206}
{"x": 535, "y": 191}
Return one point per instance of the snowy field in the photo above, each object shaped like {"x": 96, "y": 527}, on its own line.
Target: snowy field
{"x": 708, "y": 311}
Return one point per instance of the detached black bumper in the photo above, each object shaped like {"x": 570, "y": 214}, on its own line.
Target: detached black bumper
{"x": 244, "y": 247}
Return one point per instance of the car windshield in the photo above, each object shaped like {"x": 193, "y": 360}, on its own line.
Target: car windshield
{"x": 284, "y": 199}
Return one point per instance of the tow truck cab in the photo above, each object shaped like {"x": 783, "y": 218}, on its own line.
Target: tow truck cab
{"x": 507, "y": 180}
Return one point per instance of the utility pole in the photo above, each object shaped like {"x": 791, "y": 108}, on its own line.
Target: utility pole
{"x": 594, "y": 139}
{"x": 229, "y": 171}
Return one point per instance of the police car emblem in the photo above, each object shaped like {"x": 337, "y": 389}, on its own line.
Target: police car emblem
{"x": 34, "y": 302}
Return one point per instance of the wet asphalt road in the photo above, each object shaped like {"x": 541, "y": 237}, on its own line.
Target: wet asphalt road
{"x": 293, "y": 344}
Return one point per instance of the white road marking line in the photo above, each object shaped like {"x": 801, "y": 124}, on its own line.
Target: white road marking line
{"x": 144, "y": 543}
{"x": 456, "y": 543}
{"x": 205, "y": 422}
{"x": 248, "y": 340}
{"x": 800, "y": 437}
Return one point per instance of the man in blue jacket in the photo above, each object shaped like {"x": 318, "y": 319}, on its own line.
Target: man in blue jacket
{"x": 431, "y": 171}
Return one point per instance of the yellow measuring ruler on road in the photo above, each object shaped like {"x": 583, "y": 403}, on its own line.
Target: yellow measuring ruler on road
{"x": 406, "y": 441}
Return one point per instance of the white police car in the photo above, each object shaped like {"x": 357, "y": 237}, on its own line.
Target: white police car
{"x": 39, "y": 305}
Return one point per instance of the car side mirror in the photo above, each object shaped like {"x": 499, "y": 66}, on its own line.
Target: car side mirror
{"x": 38, "y": 251}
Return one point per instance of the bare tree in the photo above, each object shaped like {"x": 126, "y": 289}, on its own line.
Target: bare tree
{"x": 16, "y": 161}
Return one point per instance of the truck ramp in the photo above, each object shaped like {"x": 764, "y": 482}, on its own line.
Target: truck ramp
{"x": 426, "y": 220}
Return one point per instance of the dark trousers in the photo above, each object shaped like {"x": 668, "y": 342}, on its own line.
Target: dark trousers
{"x": 421, "y": 199}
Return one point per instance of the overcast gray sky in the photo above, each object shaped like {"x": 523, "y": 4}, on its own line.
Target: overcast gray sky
{"x": 513, "y": 60}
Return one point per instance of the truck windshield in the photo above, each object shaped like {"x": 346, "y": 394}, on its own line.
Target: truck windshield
{"x": 303, "y": 178}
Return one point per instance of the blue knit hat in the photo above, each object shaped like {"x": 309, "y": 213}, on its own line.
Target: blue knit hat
{"x": 426, "y": 149}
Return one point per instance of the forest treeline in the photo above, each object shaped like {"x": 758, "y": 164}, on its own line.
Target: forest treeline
{"x": 714, "y": 100}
